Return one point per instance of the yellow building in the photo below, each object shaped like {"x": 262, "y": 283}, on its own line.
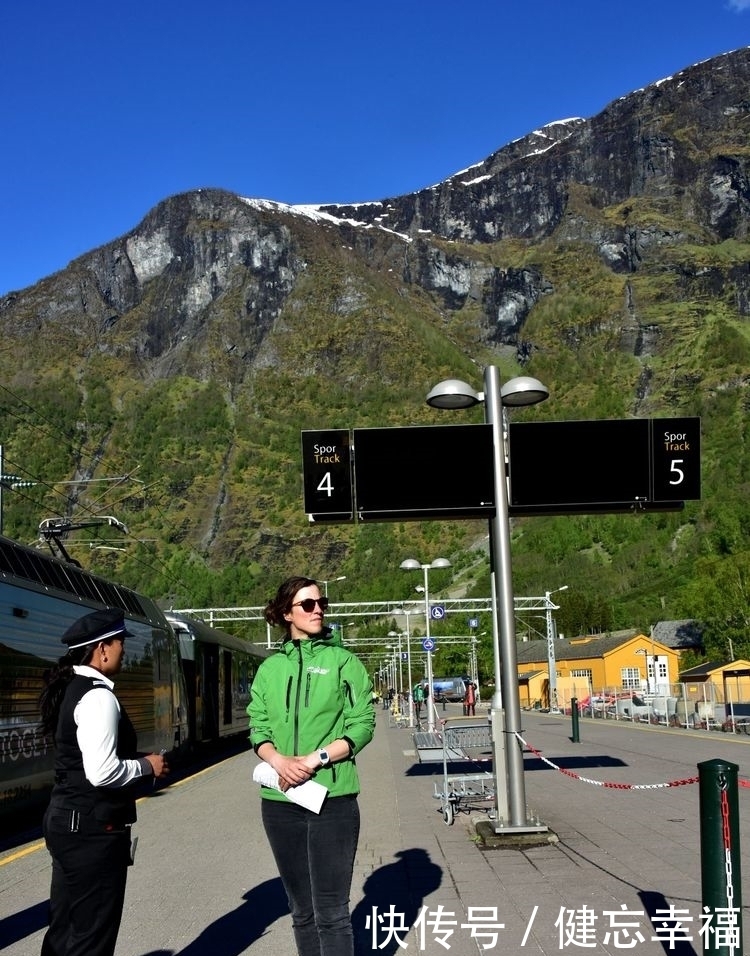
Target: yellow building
{"x": 719, "y": 683}
{"x": 609, "y": 664}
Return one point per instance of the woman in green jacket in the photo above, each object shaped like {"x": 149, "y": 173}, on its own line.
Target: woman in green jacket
{"x": 310, "y": 714}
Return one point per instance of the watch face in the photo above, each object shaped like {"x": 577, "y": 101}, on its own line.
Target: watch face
{"x": 324, "y": 758}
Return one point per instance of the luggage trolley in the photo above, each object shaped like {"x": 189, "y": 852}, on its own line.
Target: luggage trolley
{"x": 466, "y": 739}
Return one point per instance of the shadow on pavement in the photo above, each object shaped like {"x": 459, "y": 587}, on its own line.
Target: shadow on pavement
{"x": 235, "y": 931}
{"x": 393, "y": 898}
{"x": 20, "y": 925}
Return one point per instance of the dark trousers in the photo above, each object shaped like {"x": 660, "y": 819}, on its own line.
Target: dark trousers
{"x": 315, "y": 857}
{"x": 89, "y": 871}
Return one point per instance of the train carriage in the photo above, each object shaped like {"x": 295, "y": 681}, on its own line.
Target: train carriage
{"x": 40, "y": 596}
{"x": 219, "y": 669}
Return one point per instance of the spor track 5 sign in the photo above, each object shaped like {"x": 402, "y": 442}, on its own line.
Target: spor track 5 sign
{"x": 605, "y": 466}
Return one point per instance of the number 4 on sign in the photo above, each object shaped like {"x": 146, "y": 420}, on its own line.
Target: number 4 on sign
{"x": 326, "y": 484}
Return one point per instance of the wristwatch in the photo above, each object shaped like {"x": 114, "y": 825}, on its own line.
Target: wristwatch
{"x": 324, "y": 758}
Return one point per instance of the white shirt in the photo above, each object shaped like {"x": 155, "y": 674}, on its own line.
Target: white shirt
{"x": 97, "y": 717}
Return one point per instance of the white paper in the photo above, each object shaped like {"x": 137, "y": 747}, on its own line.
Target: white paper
{"x": 309, "y": 794}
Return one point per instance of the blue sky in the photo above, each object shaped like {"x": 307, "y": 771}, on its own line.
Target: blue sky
{"x": 106, "y": 109}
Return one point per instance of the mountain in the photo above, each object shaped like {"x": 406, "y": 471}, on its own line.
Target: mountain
{"x": 607, "y": 256}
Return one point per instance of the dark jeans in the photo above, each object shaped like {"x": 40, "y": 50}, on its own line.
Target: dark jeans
{"x": 89, "y": 872}
{"x": 315, "y": 856}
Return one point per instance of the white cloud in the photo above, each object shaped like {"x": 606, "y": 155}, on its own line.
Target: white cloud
{"x": 739, "y": 5}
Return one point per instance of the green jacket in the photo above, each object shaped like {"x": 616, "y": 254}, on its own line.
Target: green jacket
{"x": 306, "y": 695}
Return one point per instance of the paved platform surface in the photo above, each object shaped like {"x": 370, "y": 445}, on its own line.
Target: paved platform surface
{"x": 204, "y": 882}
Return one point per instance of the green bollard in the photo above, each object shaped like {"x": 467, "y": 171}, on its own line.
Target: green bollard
{"x": 574, "y": 718}
{"x": 721, "y": 877}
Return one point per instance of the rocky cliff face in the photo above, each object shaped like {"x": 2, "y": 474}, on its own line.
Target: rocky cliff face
{"x": 681, "y": 142}
{"x": 619, "y": 243}
{"x": 661, "y": 167}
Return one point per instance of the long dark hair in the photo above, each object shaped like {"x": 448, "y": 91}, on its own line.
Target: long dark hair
{"x": 56, "y": 682}
{"x": 281, "y": 603}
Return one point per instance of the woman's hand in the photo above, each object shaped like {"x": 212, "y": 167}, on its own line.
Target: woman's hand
{"x": 292, "y": 771}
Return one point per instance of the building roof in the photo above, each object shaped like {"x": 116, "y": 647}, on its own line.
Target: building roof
{"x": 699, "y": 672}
{"x": 530, "y": 675}
{"x": 681, "y": 635}
{"x": 738, "y": 668}
{"x": 573, "y": 649}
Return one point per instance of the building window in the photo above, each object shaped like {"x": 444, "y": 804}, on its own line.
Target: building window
{"x": 584, "y": 672}
{"x": 630, "y": 677}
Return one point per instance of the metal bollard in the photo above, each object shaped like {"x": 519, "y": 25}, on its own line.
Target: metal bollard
{"x": 574, "y": 719}
{"x": 721, "y": 877}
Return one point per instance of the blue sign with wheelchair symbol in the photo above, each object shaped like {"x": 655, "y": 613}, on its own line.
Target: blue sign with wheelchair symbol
{"x": 437, "y": 612}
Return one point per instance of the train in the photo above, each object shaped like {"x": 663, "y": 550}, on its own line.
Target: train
{"x": 450, "y": 688}
{"x": 218, "y": 669}
{"x": 183, "y": 683}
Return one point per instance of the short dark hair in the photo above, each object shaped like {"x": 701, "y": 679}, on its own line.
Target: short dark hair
{"x": 281, "y": 603}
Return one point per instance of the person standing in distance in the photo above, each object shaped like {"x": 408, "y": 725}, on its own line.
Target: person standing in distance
{"x": 311, "y": 713}
{"x": 87, "y": 824}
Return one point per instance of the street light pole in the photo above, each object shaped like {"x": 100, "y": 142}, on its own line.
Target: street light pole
{"x": 507, "y": 752}
{"x": 411, "y": 564}
{"x": 400, "y": 663}
{"x": 340, "y": 627}
{"x": 410, "y": 688}
{"x": 326, "y": 583}
{"x": 551, "y": 662}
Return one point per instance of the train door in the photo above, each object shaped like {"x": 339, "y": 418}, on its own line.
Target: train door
{"x": 210, "y": 666}
{"x": 227, "y": 689}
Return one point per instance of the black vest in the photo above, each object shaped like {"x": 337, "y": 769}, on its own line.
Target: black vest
{"x": 72, "y": 791}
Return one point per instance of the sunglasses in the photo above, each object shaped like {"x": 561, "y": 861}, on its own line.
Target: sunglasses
{"x": 308, "y": 605}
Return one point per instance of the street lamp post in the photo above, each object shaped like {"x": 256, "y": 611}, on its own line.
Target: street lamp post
{"x": 518, "y": 391}
{"x": 340, "y": 627}
{"x": 325, "y": 584}
{"x": 551, "y": 634}
{"x": 398, "y": 679}
{"x": 409, "y": 695}
{"x": 642, "y": 651}
{"x": 411, "y": 564}
{"x": 400, "y": 665}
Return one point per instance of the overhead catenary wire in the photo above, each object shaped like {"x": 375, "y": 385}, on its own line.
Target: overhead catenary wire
{"x": 49, "y": 430}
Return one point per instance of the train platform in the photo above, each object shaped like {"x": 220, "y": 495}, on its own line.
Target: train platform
{"x": 620, "y": 869}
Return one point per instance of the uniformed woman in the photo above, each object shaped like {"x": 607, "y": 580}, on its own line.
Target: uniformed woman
{"x": 87, "y": 824}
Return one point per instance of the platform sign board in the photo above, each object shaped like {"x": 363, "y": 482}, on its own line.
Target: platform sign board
{"x": 676, "y": 458}
{"x": 603, "y": 466}
{"x": 423, "y": 473}
{"x": 327, "y": 471}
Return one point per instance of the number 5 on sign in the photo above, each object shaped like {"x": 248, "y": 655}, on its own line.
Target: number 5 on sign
{"x": 327, "y": 475}
{"x": 675, "y": 458}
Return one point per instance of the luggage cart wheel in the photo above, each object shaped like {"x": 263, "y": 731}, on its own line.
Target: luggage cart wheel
{"x": 448, "y": 814}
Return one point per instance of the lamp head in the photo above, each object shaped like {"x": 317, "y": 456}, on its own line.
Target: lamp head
{"x": 453, "y": 393}
{"x": 410, "y": 564}
{"x": 523, "y": 390}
